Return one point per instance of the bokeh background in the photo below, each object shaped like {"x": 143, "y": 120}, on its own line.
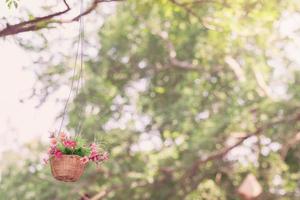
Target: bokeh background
{"x": 188, "y": 96}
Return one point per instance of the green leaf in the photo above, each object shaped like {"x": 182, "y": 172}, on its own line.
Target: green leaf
{"x": 12, "y": 3}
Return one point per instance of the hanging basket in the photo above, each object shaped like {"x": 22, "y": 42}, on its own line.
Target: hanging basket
{"x": 67, "y": 168}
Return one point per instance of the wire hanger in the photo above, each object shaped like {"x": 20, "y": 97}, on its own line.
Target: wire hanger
{"x": 79, "y": 53}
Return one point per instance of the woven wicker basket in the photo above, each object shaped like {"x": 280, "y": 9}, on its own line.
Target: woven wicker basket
{"x": 68, "y": 168}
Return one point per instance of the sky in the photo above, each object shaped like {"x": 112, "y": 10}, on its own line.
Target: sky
{"x": 21, "y": 121}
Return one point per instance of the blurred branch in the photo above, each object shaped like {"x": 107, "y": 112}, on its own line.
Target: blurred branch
{"x": 289, "y": 144}
{"x": 214, "y": 156}
{"x": 186, "y": 8}
{"x": 198, "y": 2}
{"x": 190, "y": 11}
{"x": 91, "y": 8}
{"x": 31, "y": 25}
{"x": 191, "y": 172}
{"x": 175, "y": 61}
{"x": 102, "y": 194}
{"x": 43, "y": 22}
{"x": 182, "y": 64}
{"x": 172, "y": 55}
{"x": 235, "y": 66}
{"x": 262, "y": 83}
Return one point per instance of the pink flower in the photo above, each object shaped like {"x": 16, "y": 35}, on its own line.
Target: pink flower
{"x": 84, "y": 160}
{"x": 105, "y": 156}
{"x": 93, "y": 147}
{"x": 53, "y": 141}
{"x": 62, "y": 136}
{"x": 94, "y": 153}
{"x": 96, "y": 157}
{"x": 69, "y": 144}
{"x": 45, "y": 160}
{"x": 58, "y": 154}
{"x": 52, "y": 150}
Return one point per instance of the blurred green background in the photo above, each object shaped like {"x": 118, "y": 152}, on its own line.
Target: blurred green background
{"x": 173, "y": 85}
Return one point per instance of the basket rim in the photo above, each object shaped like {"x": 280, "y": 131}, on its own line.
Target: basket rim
{"x": 67, "y": 155}
{"x": 54, "y": 160}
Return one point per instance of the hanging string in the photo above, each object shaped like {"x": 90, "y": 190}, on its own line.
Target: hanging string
{"x": 79, "y": 44}
{"x": 80, "y": 79}
{"x": 81, "y": 36}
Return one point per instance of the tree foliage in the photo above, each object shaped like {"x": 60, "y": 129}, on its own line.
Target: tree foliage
{"x": 12, "y": 3}
{"x": 173, "y": 84}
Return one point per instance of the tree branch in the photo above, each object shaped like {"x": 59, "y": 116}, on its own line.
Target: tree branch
{"x": 174, "y": 61}
{"x": 262, "y": 83}
{"x": 214, "y": 156}
{"x": 186, "y": 8}
{"x": 236, "y": 68}
{"x": 199, "y": 2}
{"x": 103, "y": 193}
{"x": 91, "y": 8}
{"x": 190, "y": 172}
{"x": 289, "y": 144}
{"x": 43, "y": 22}
{"x": 190, "y": 11}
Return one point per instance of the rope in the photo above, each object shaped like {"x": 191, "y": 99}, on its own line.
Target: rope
{"x": 80, "y": 80}
{"x": 79, "y": 43}
{"x": 81, "y": 36}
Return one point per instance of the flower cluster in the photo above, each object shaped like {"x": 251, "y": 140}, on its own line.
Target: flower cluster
{"x": 63, "y": 144}
{"x": 54, "y": 152}
{"x": 69, "y": 144}
{"x": 95, "y": 156}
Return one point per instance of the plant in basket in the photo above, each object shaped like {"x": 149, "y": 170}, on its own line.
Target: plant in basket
{"x": 68, "y": 156}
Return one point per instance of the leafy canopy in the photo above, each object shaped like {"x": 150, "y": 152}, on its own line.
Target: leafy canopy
{"x": 174, "y": 82}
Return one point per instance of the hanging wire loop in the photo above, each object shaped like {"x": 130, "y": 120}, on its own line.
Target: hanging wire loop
{"x": 80, "y": 46}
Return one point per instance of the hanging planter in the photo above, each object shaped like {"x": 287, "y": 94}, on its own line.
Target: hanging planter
{"x": 68, "y": 168}
{"x": 69, "y": 156}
